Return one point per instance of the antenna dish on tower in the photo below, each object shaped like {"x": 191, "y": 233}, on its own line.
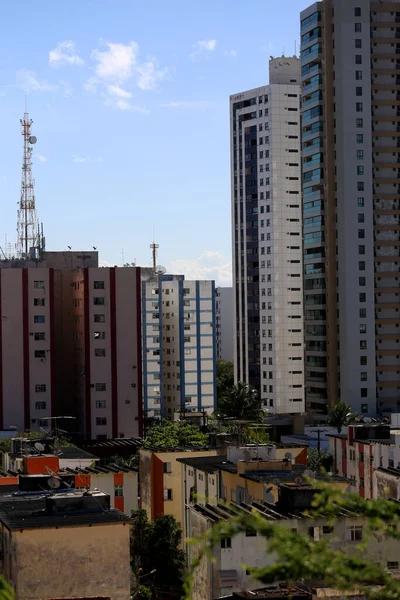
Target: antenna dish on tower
{"x": 32, "y": 139}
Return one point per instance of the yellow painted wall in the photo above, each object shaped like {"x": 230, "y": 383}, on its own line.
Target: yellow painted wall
{"x": 72, "y": 562}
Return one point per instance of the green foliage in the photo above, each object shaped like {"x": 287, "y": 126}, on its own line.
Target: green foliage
{"x": 300, "y": 558}
{"x": 319, "y": 459}
{"x": 341, "y": 416}
{"x": 156, "y": 546}
{"x": 5, "y": 443}
{"x": 225, "y": 377}
{"x": 132, "y": 461}
{"x": 240, "y": 402}
{"x": 172, "y": 435}
{"x": 255, "y": 435}
{"x": 6, "y": 592}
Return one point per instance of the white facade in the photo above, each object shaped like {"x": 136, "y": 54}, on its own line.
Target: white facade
{"x": 267, "y": 238}
{"x": 179, "y": 346}
{"x": 224, "y": 322}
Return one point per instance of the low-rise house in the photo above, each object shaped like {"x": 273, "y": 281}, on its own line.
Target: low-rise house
{"x": 49, "y": 542}
{"x": 225, "y": 574}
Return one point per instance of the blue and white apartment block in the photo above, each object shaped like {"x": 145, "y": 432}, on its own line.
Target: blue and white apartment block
{"x": 179, "y": 346}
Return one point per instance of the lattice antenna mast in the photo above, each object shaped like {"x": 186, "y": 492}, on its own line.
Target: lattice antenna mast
{"x": 154, "y": 248}
{"x": 28, "y": 231}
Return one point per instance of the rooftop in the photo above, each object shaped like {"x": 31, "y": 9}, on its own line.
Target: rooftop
{"x": 27, "y": 512}
{"x": 210, "y": 464}
{"x": 73, "y": 452}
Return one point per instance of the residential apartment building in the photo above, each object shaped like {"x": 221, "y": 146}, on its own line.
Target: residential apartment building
{"x": 351, "y": 192}
{"x": 224, "y": 322}
{"x": 106, "y": 331}
{"x": 179, "y": 346}
{"x": 266, "y": 234}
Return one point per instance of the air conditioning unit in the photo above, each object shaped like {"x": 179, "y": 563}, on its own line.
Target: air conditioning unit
{"x": 42, "y": 359}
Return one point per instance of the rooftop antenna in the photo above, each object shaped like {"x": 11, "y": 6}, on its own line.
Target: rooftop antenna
{"x": 154, "y": 248}
{"x": 295, "y": 48}
{"x": 29, "y": 238}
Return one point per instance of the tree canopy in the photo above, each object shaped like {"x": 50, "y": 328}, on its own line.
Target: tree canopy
{"x": 6, "y": 592}
{"x": 240, "y": 402}
{"x": 341, "y": 416}
{"x": 225, "y": 378}
{"x": 301, "y": 558}
{"x": 168, "y": 434}
{"x": 156, "y": 553}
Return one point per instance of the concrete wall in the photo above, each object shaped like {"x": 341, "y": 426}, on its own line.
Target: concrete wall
{"x": 57, "y": 563}
{"x": 225, "y": 322}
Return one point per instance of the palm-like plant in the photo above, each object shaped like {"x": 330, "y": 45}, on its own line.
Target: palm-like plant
{"x": 341, "y": 416}
{"x": 240, "y": 402}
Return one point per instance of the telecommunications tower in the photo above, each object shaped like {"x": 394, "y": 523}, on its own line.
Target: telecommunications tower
{"x": 30, "y": 240}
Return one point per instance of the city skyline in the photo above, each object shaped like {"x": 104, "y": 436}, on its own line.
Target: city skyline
{"x": 96, "y": 82}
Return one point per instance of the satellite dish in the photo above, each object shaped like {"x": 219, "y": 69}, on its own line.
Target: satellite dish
{"x": 276, "y": 481}
{"x": 53, "y": 483}
{"x": 288, "y": 455}
{"x": 39, "y": 447}
{"x": 298, "y": 480}
{"x": 367, "y": 420}
{"x": 32, "y": 139}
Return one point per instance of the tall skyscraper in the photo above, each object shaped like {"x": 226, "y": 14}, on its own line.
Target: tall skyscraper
{"x": 224, "y": 322}
{"x": 266, "y": 233}
{"x": 351, "y": 189}
{"x": 179, "y": 346}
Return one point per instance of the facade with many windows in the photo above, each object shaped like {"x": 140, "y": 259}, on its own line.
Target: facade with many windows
{"x": 179, "y": 346}
{"x": 267, "y": 238}
{"x": 351, "y": 192}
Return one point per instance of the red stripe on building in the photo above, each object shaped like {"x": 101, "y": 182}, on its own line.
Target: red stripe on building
{"x": 371, "y": 473}
{"x": 25, "y": 338}
{"x": 1, "y": 360}
{"x": 139, "y": 349}
{"x": 114, "y": 372}
{"x": 52, "y": 346}
{"x": 88, "y": 406}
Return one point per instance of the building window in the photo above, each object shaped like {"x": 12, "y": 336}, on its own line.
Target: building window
{"x": 354, "y": 533}
{"x": 39, "y": 337}
{"x": 186, "y": 339}
{"x": 99, "y": 318}
{"x": 167, "y": 467}
{"x": 100, "y": 387}
{"x": 357, "y": 11}
{"x": 251, "y": 533}
{"x": 40, "y": 354}
{"x": 361, "y": 265}
{"x": 363, "y": 313}
{"x": 392, "y": 565}
{"x": 40, "y": 388}
{"x": 359, "y": 123}
{"x": 363, "y": 344}
{"x": 38, "y": 302}
{"x": 361, "y": 249}
{"x": 361, "y": 281}
{"x": 226, "y": 543}
{"x": 360, "y": 202}
{"x": 358, "y": 43}
{"x": 98, "y": 285}
{"x": 188, "y": 399}
{"x": 168, "y": 494}
{"x": 100, "y": 404}
{"x": 98, "y": 301}
{"x": 364, "y": 408}
{"x": 363, "y": 361}
{"x": 101, "y": 421}
{"x": 360, "y": 170}
{"x": 40, "y": 405}
{"x": 361, "y": 234}
{"x": 358, "y": 75}
{"x": 360, "y": 154}
{"x": 363, "y": 328}
{"x": 38, "y": 285}
{"x": 357, "y": 29}
{"x": 363, "y": 376}
{"x": 100, "y": 352}
{"x": 360, "y": 186}
{"x": 364, "y": 394}
{"x": 39, "y": 319}
{"x": 118, "y": 491}
{"x": 99, "y": 335}
{"x": 359, "y": 106}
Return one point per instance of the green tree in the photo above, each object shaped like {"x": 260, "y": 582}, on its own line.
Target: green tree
{"x": 156, "y": 553}
{"x": 225, "y": 378}
{"x": 240, "y": 402}
{"x": 6, "y": 592}
{"x": 300, "y": 558}
{"x": 319, "y": 459}
{"x": 341, "y": 416}
{"x": 168, "y": 434}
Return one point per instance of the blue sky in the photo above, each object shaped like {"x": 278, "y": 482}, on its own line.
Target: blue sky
{"x": 130, "y": 107}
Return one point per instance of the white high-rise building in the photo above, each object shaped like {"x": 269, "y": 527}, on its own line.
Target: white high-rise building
{"x": 267, "y": 237}
{"x": 224, "y": 322}
{"x": 179, "y": 346}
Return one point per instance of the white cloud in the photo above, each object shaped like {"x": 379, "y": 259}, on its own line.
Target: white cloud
{"x": 150, "y": 74}
{"x": 203, "y": 49}
{"x": 230, "y": 53}
{"x": 65, "y": 54}
{"x": 41, "y": 158}
{"x": 117, "y": 62}
{"x": 209, "y": 265}
{"x": 30, "y": 82}
{"x": 115, "y": 90}
{"x": 86, "y": 159}
{"x": 187, "y": 104}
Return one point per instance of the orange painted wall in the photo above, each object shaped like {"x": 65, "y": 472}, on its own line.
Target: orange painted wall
{"x": 40, "y": 465}
{"x": 118, "y": 479}
{"x": 9, "y": 480}
{"x": 157, "y": 483}
{"x": 82, "y": 481}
